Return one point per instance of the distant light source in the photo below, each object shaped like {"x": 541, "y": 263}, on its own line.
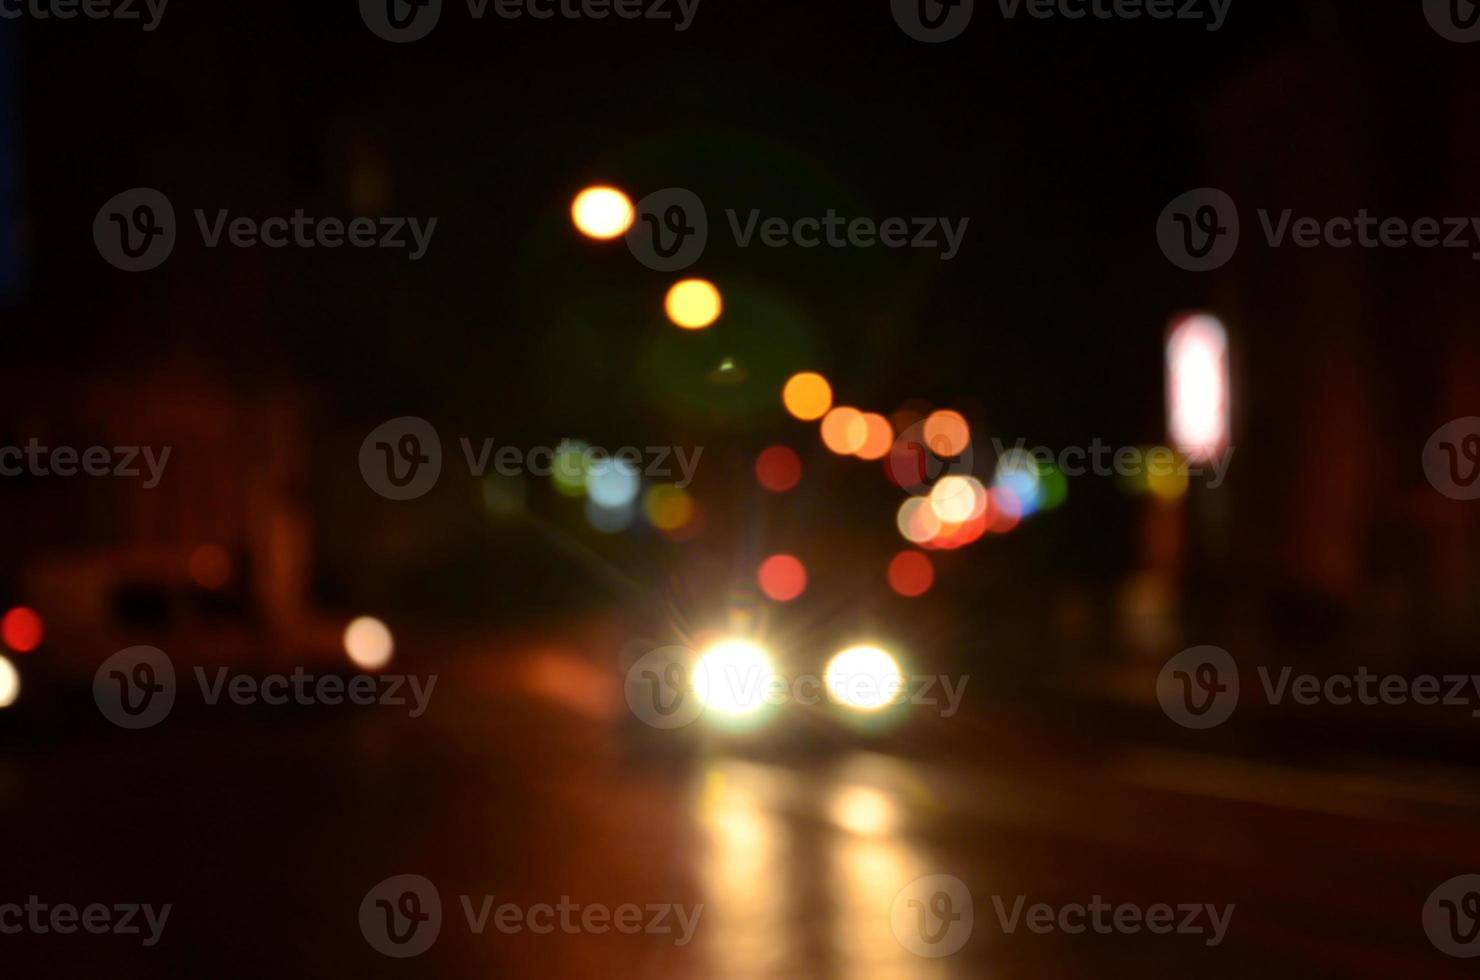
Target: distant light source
{"x": 844, "y": 430}
{"x": 10, "y": 683}
{"x": 368, "y": 642}
{"x": 694, "y": 304}
{"x": 668, "y": 508}
{"x": 778, "y": 469}
{"x": 807, "y": 396}
{"x": 602, "y": 213}
{"x": 957, "y": 499}
{"x": 947, "y": 434}
{"x": 1197, "y": 387}
{"x": 782, "y": 578}
{"x": 733, "y": 677}
{"x": 22, "y": 629}
{"x": 210, "y": 566}
{"x": 878, "y": 437}
{"x": 865, "y": 811}
{"x": 917, "y": 520}
{"x": 864, "y": 678}
{"x": 911, "y": 574}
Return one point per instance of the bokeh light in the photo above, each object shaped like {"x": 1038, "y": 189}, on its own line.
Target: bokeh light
{"x": 210, "y": 566}
{"x": 610, "y": 520}
{"x": 1197, "y": 387}
{"x": 1017, "y": 471}
{"x": 1166, "y": 474}
{"x": 613, "y": 483}
{"x": 947, "y": 434}
{"x": 10, "y": 683}
{"x": 865, "y": 811}
{"x": 807, "y": 396}
{"x": 957, "y": 499}
{"x": 917, "y": 520}
{"x": 844, "y": 430}
{"x": 782, "y": 578}
{"x": 668, "y": 508}
{"x": 911, "y": 574}
{"x": 602, "y": 213}
{"x": 864, "y": 678}
{"x": 694, "y": 304}
{"x": 1054, "y": 486}
{"x": 732, "y": 677}
{"x": 368, "y": 643}
{"x": 1006, "y": 510}
{"x": 22, "y": 629}
{"x": 878, "y": 437}
{"x": 568, "y": 469}
{"x": 778, "y": 469}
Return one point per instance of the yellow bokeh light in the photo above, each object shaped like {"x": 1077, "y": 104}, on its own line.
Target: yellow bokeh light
{"x": 668, "y": 508}
{"x": 844, "y": 431}
{"x": 807, "y": 396}
{"x": 957, "y": 499}
{"x": 368, "y": 642}
{"x": 10, "y": 683}
{"x": 694, "y": 304}
{"x": 865, "y": 811}
{"x": 602, "y": 213}
{"x": 917, "y": 520}
{"x": 947, "y": 434}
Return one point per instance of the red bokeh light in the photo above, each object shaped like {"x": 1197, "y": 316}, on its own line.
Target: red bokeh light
{"x": 911, "y": 574}
{"x": 778, "y": 469}
{"x": 782, "y": 578}
{"x": 21, "y": 629}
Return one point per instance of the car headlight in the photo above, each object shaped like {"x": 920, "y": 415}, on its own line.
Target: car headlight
{"x": 864, "y": 678}
{"x": 733, "y": 677}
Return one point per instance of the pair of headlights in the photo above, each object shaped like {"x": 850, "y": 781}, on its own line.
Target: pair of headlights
{"x": 738, "y": 677}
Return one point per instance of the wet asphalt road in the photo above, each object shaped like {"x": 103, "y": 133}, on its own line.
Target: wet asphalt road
{"x": 521, "y": 786}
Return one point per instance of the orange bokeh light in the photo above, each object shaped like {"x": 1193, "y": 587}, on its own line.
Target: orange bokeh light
{"x": 844, "y": 430}
{"x": 778, "y": 469}
{"x": 911, "y": 574}
{"x": 807, "y": 396}
{"x": 947, "y": 434}
{"x": 878, "y": 437}
{"x": 782, "y": 577}
{"x": 21, "y": 629}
